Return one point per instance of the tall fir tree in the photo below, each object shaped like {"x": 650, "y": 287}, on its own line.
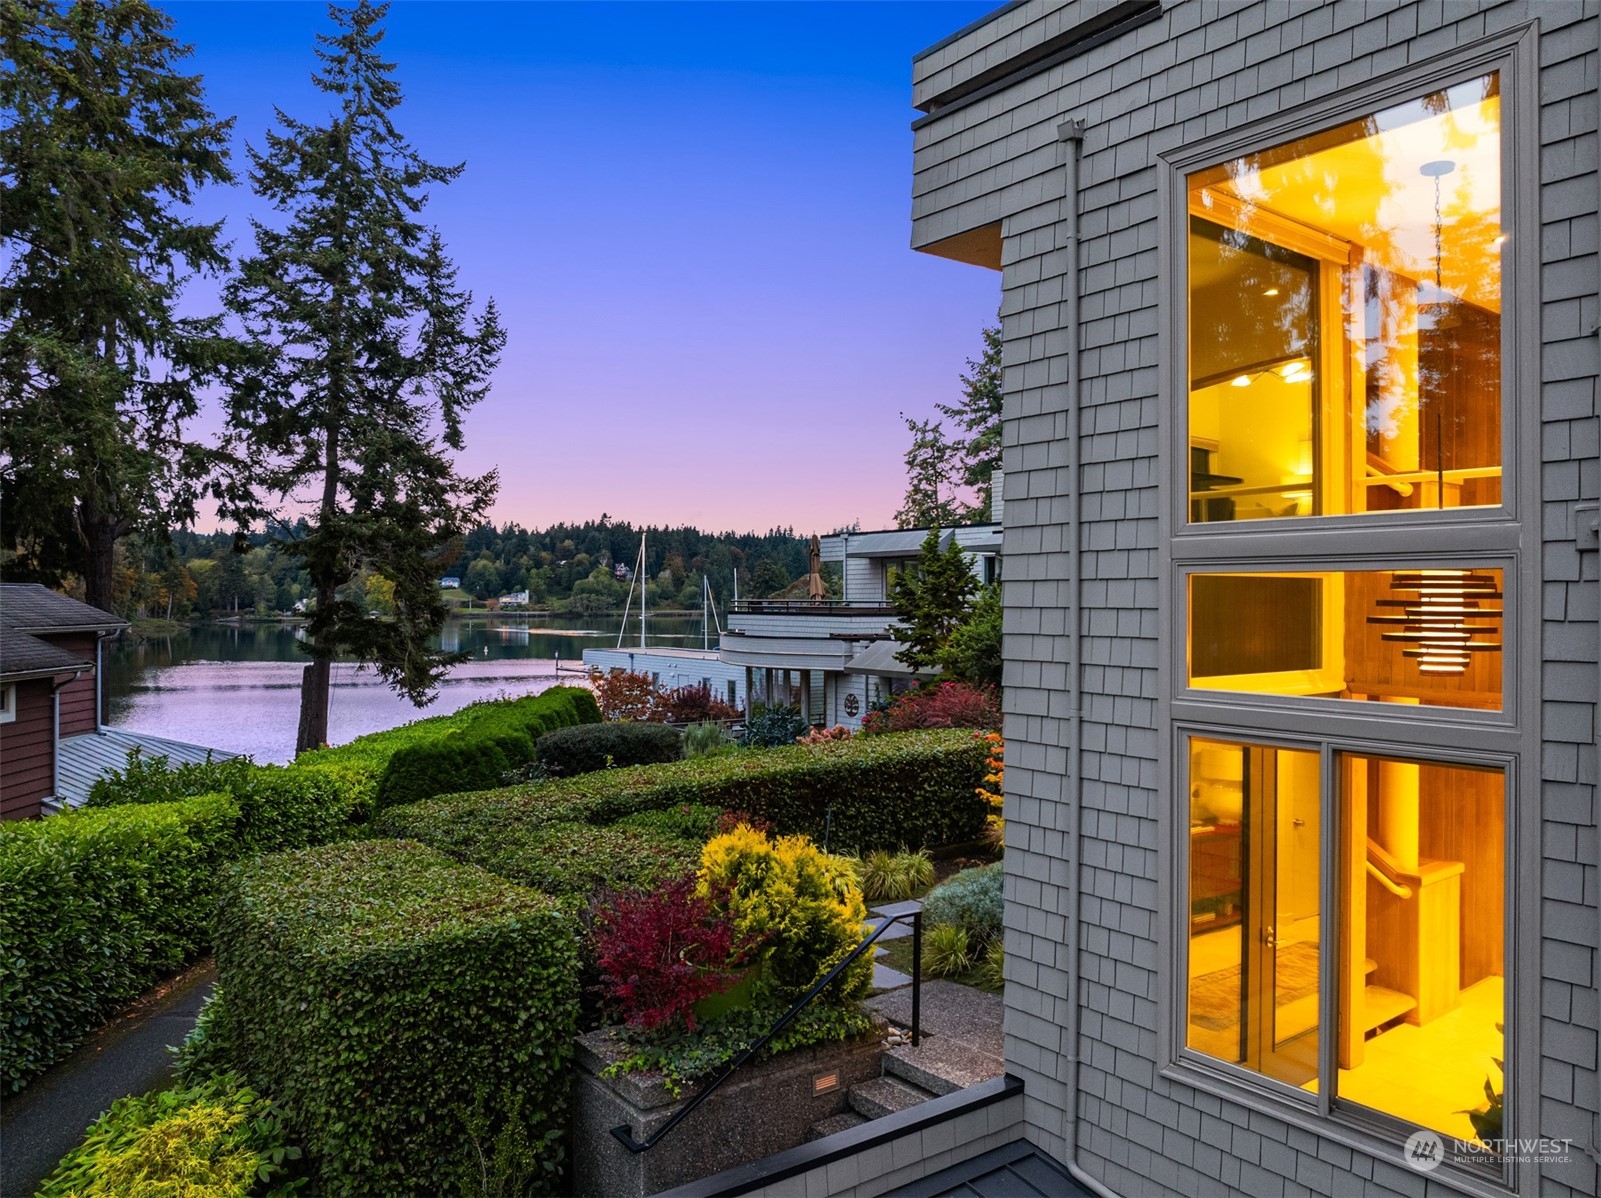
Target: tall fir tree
{"x": 104, "y": 146}
{"x": 930, "y": 500}
{"x": 932, "y": 598}
{"x": 368, "y": 356}
{"x": 976, "y": 449}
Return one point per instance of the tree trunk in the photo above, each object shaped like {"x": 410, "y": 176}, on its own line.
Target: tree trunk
{"x": 314, "y": 685}
{"x": 100, "y": 544}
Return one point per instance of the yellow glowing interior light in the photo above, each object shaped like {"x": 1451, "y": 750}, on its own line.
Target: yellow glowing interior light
{"x": 1271, "y": 291}
{"x": 1243, "y": 381}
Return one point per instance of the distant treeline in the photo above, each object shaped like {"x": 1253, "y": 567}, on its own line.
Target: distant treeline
{"x": 581, "y": 568}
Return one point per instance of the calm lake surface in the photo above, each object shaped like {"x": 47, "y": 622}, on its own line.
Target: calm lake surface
{"x": 237, "y": 688}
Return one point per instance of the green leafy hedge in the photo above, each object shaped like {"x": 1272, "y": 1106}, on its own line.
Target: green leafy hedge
{"x": 468, "y": 750}
{"x": 574, "y": 860}
{"x": 217, "y": 1140}
{"x": 589, "y": 747}
{"x": 404, "y": 1010}
{"x": 279, "y": 807}
{"x": 911, "y": 788}
{"x": 95, "y": 906}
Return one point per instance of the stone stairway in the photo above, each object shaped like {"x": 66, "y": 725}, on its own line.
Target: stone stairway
{"x": 961, "y": 1046}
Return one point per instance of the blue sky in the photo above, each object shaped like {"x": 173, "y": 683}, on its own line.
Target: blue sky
{"x": 695, "y": 220}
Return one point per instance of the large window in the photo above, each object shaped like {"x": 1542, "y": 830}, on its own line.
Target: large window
{"x": 1345, "y": 317}
{"x": 1347, "y": 571}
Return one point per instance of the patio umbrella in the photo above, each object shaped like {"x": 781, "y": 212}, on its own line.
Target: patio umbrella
{"x": 815, "y": 590}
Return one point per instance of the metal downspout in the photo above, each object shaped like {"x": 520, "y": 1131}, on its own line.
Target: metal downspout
{"x": 1071, "y": 134}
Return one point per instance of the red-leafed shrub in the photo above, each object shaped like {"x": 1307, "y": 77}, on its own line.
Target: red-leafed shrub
{"x": 938, "y": 705}
{"x": 729, "y": 820}
{"x": 661, "y": 952}
{"x": 692, "y": 705}
{"x": 623, "y": 694}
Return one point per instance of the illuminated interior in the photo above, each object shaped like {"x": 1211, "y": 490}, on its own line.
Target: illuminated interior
{"x": 1345, "y": 317}
{"x": 1417, "y": 927}
{"x": 1426, "y": 636}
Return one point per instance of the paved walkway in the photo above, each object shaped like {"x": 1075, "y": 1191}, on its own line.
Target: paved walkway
{"x": 127, "y": 1056}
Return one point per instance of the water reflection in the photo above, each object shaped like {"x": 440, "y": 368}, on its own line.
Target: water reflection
{"x": 237, "y": 687}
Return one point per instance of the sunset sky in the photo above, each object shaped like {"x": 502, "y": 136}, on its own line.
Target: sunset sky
{"x": 695, "y": 221}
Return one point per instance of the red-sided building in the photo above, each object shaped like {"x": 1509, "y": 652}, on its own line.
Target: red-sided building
{"x": 49, "y": 657}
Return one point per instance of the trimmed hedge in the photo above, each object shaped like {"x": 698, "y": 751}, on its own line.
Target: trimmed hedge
{"x": 911, "y": 788}
{"x": 279, "y": 807}
{"x": 404, "y": 1010}
{"x": 478, "y": 745}
{"x": 95, "y": 906}
{"x": 589, "y": 747}
{"x": 574, "y": 860}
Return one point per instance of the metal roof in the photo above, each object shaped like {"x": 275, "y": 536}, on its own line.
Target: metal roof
{"x": 84, "y": 760}
{"x": 1015, "y": 1170}
{"x": 24, "y": 656}
{"x": 879, "y": 659}
{"x": 29, "y": 607}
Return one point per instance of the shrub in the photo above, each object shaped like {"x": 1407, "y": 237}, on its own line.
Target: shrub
{"x": 382, "y": 993}
{"x": 945, "y": 952}
{"x": 584, "y": 748}
{"x": 971, "y": 900}
{"x": 94, "y": 907}
{"x": 575, "y": 860}
{"x": 883, "y": 791}
{"x": 205, "y": 1051}
{"x": 494, "y": 737}
{"x": 661, "y": 952}
{"x": 701, "y": 740}
{"x": 992, "y": 971}
{"x": 769, "y": 727}
{"x": 818, "y": 735}
{"x": 692, "y": 705}
{"x": 279, "y": 808}
{"x": 215, "y": 1140}
{"x": 891, "y": 877}
{"x": 729, "y": 820}
{"x": 623, "y": 694}
{"x": 937, "y": 705}
{"x": 798, "y": 905}
{"x": 688, "y": 821}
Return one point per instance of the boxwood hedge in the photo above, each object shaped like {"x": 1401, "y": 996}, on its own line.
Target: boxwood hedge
{"x": 909, "y": 788}
{"x": 588, "y": 747}
{"x": 470, "y": 751}
{"x": 401, "y": 1008}
{"x": 280, "y": 807}
{"x": 95, "y": 906}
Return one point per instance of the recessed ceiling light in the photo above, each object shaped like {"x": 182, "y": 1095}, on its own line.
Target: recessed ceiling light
{"x": 1271, "y": 291}
{"x": 1243, "y": 381}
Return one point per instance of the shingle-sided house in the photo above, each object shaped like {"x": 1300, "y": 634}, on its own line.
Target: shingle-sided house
{"x": 54, "y": 743}
{"x": 1299, "y": 308}
{"x": 49, "y": 654}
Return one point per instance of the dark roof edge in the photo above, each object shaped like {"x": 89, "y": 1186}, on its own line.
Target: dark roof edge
{"x": 1083, "y": 37}
{"x": 967, "y": 29}
{"x": 7, "y": 677}
{"x": 111, "y": 623}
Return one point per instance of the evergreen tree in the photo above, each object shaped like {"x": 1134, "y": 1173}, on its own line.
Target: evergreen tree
{"x": 368, "y": 357}
{"x": 931, "y": 600}
{"x": 976, "y": 451}
{"x": 930, "y": 495}
{"x": 103, "y": 146}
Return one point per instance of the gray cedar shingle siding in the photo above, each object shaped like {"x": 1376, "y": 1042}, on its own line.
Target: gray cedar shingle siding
{"x": 1206, "y": 67}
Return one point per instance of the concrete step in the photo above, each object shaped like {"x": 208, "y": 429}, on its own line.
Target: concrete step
{"x": 884, "y": 1096}
{"x": 833, "y": 1125}
{"x": 941, "y": 1065}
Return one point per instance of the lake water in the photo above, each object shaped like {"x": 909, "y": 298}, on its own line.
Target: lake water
{"x": 238, "y": 688}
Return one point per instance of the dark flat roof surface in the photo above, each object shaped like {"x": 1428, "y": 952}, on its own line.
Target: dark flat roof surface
{"x": 1015, "y": 1170}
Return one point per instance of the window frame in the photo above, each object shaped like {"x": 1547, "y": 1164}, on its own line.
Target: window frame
{"x": 1506, "y": 537}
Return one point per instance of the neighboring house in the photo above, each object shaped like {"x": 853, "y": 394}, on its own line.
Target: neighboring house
{"x": 53, "y": 745}
{"x": 1299, "y": 307}
{"x": 831, "y": 658}
{"x": 514, "y": 600}
{"x": 450, "y": 584}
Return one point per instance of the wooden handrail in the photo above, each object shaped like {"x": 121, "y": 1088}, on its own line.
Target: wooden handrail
{"x": 1387, "y": 870}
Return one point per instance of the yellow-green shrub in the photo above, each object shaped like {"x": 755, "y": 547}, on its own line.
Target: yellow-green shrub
{"x": 801, "y": 903}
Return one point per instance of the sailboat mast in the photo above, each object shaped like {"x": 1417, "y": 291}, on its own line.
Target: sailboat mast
{"x": 643, "y": 582}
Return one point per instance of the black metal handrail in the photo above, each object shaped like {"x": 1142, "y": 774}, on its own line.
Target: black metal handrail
{"x": 812, "y": 607}
{"x": 625, "y": 1134}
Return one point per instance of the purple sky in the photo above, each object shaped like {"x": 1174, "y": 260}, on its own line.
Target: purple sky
{"x": 694, "y": 219}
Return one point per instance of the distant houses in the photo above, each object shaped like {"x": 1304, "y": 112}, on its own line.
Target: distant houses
{"x": 450, "y": 584}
